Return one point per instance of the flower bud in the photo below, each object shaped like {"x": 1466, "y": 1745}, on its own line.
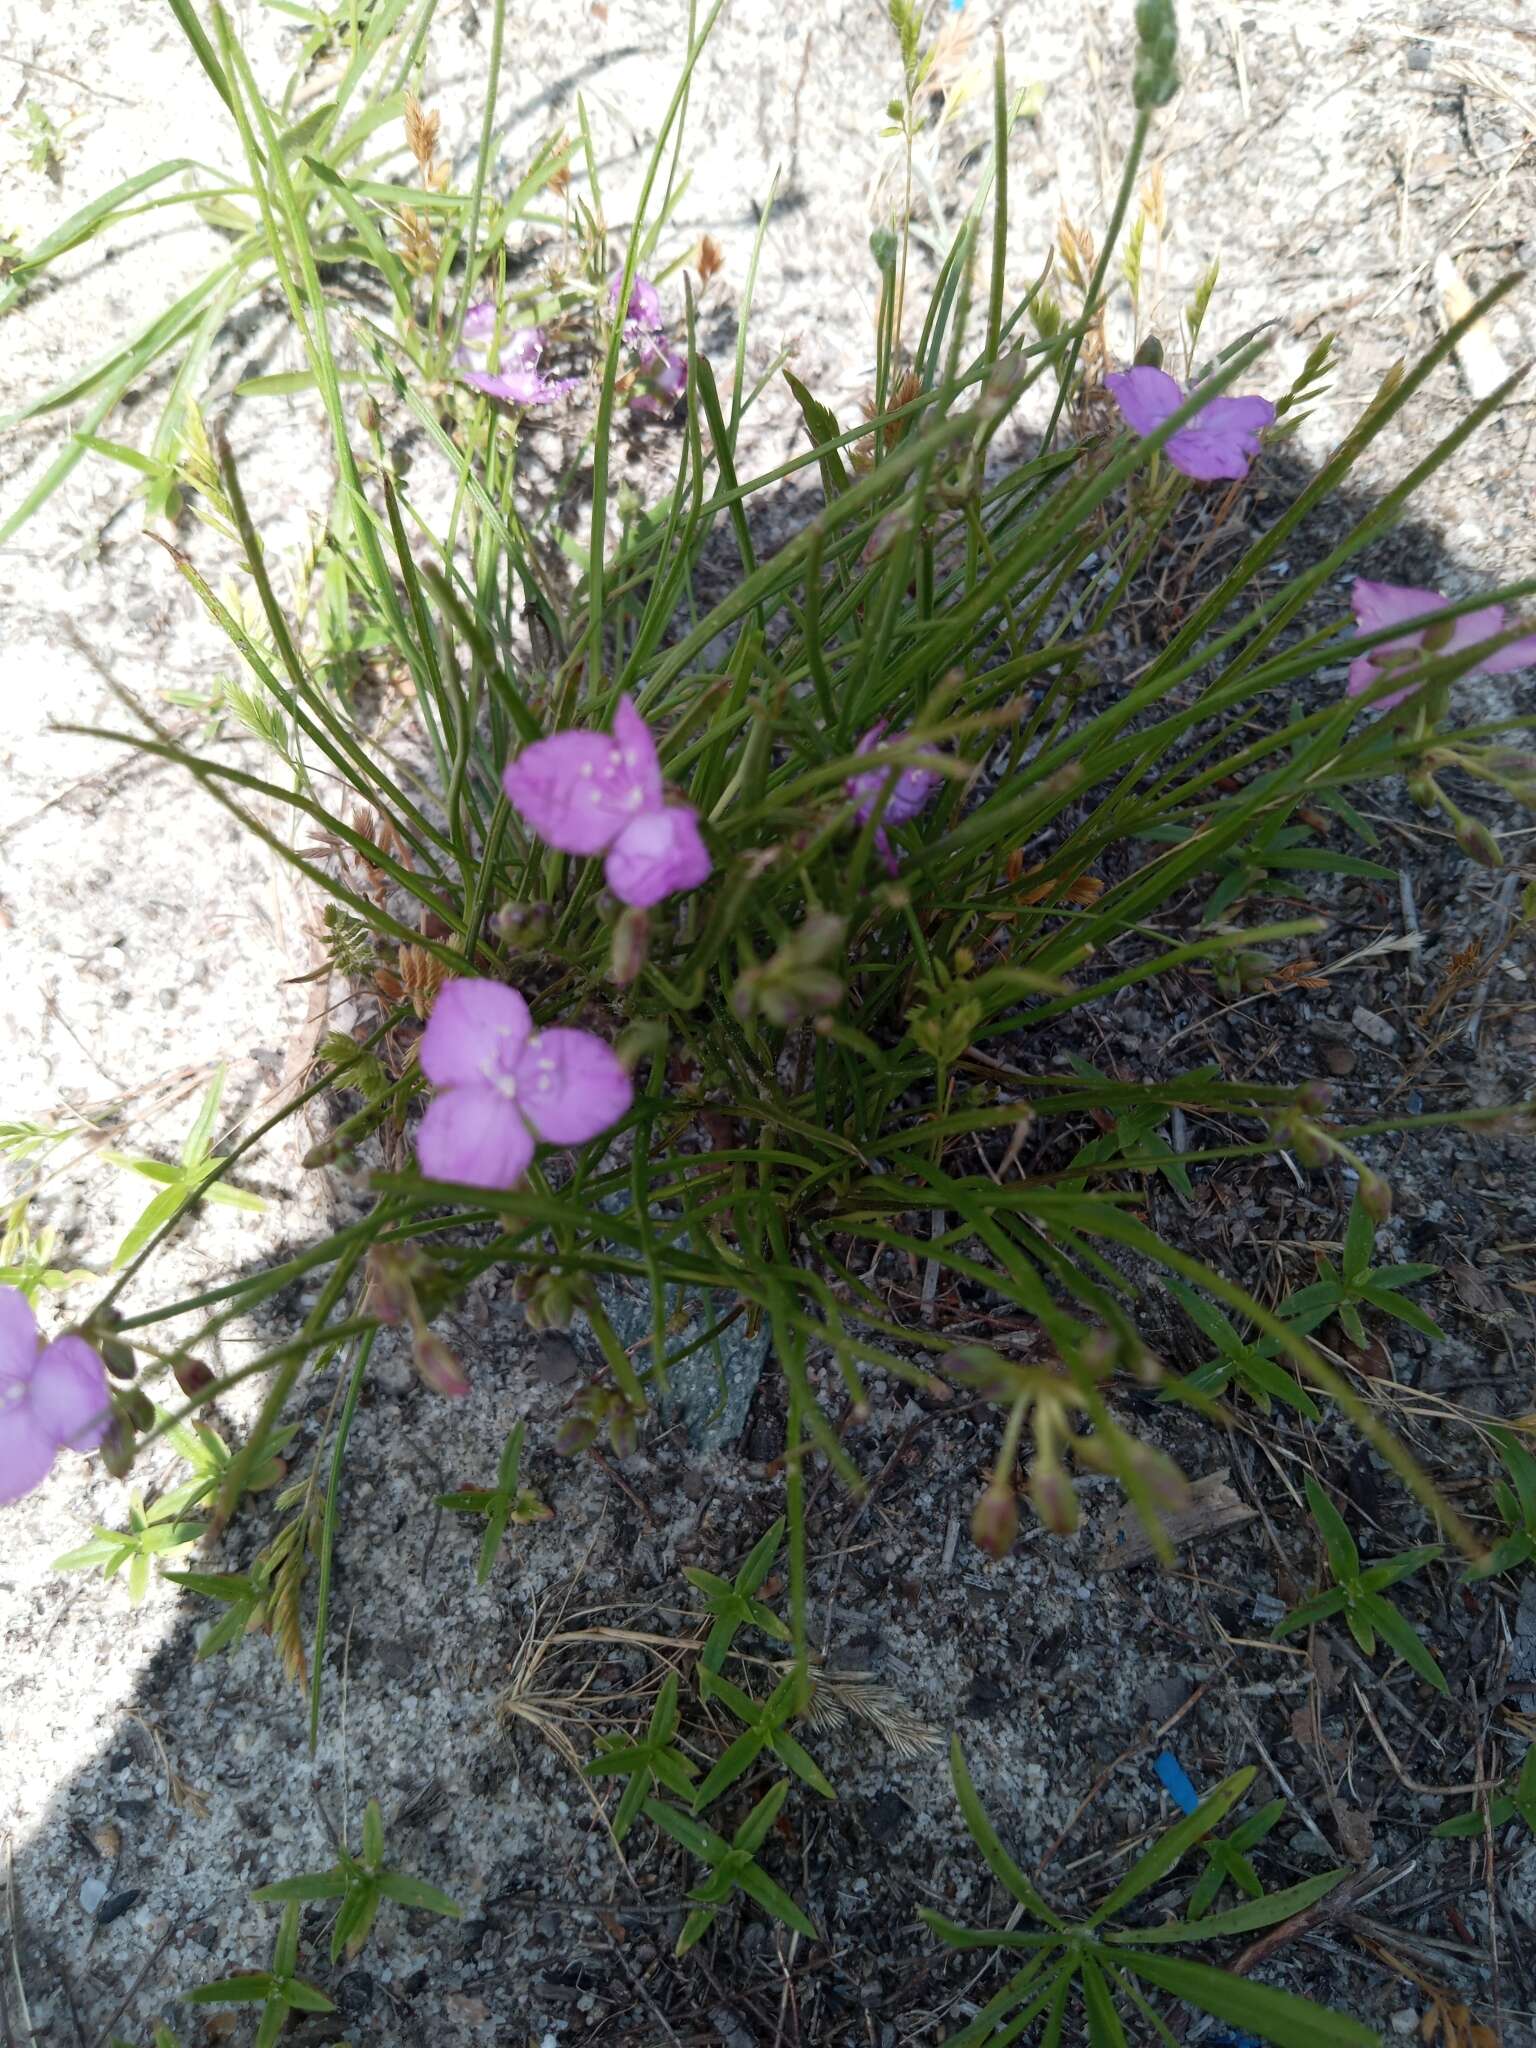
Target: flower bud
{"x": 645, "y": 1040}
{"x": 116, "y": 1356}
{"x": 436, "y": 1364}
{"x": 623, "y": 1432}
{"x": 1475, "y": 840}
{"x": 994, "y": 1378}
{"x": 631, "y": 943}
{"x": 522, "y": 925}
{"x": 1147, "y": 1367}
{"x": 1053, "y": 1497}
{"x": 1375, "y": 1196}
{"x": 1421, "y": 788}
{"x": 1161, "y": 1477}
{"x": 1098, "y": 1352}
{"x": 1150, "y": 355}
{"x": 576, "y": 1434}
{"x": 1313, "y": 1097}
{"x": 995, "y": 1520}
{"x": 138, "y": 1407}
{"x": 192, "y": 1376}
{"x": 1155, "y": 79}
{"x": 550, "y": 1300}
{"x": 118, "y": 1447}
{"x": 391, "y": 1291}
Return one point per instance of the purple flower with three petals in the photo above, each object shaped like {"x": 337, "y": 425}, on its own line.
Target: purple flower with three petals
{"x": 1378, "y": 605}
{"x": 504, "y": 1086}
{"x": 591, "y": 792}
{"x": 910, "y": 789}
{"x": 51, "y": 1396}
{"x": 1221, "y": 441}
{"x": 518, "y": 380}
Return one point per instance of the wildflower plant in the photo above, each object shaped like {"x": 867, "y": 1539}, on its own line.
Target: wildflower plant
{"x": 1107, "y": 1969}
{"x": 832, "y": 867}
{"x": 1358, "y": 1593}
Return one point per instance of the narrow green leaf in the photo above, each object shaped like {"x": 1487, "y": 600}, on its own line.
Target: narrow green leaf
{"x": 1276, "y": 2016}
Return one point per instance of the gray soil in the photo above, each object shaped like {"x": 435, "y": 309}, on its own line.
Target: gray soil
{"x": 1327, "y": 152}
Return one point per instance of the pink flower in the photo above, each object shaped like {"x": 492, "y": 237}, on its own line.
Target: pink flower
{"x": 50, "y": 1396}
{"x": 518, "y": 380}
{"x": 663, "y": 370}
{"x": 1220, "y": 441}
{"x": 910, "y": 789}
{"x": 504, "y": 1086}
{"x": 662, "y": 381}
{"x": 643, "y": 318}
{"x": 584, "y": 792}
{"x": 1378, "y": 605}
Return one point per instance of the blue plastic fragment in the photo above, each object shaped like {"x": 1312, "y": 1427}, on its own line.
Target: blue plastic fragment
{"x": 1175, "y": 1783}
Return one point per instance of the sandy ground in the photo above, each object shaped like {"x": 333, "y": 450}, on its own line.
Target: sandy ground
{"x": 1327, "y": 153}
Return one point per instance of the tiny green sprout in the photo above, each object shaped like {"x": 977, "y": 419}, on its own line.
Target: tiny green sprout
{"x": 1112, "y": 1966}
{"x": 1357, "y": 1593}
{"x": 734, "y": 1605}
{"x": 1501, "y": 1811}
{"x": 194, "y": 1177}
{"x": 151, "y": 1533}
{"x": 648, "y": 1763}
{"x": 1354, "y": 1284}
{"x": 279, "y": 1990}
{"x": 26, "y": 1256}
{"x": 500, "y": 1504}
{"x": 43, "y": 139}
{"x": 732, "y": 1865}
{"x": 362, "y": 1883}
{"x": 1516, "y": 1502}
{"x": 1227, "y": 1860}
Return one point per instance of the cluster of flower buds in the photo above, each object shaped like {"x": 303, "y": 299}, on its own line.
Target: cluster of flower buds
{"x": 598, "y": 1411}
{"x": 550, "y": 1299}
{"x": 796, "y": 983}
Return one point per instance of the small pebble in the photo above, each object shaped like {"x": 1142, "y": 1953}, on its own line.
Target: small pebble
{"x": 92, "y": 1892}
{"x": 1374, "y": 1027}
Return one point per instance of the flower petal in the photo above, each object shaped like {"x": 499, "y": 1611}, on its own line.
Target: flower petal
{"x": 644, "y": 312}
{"x": 476, "y": 1030}
{"x": 476, "y": 1136}
{"x": 26, "y": 1451}
{"x": 571, "y": 1086}
{"x": 479, "y": 323}
{"x": 517, "y": 379}
{"x": 658, "y": 854}
{"x": 638, "y": 751}
{"x": 1376, "y": 605}
{"x": 1519, "y": 654}
{"x": 1144, "y": 395}
{"x": 19, "y": 1340}
{"x": 910, "y": 788}
{"x": 69, "y": 1395}
{"x": 663, "y": 380}
{"x": 1469, "y": 629}
{"x": 1222, "y": 441}
{"x": 1365, "y": 671}
{"x": 576, "y": 791}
